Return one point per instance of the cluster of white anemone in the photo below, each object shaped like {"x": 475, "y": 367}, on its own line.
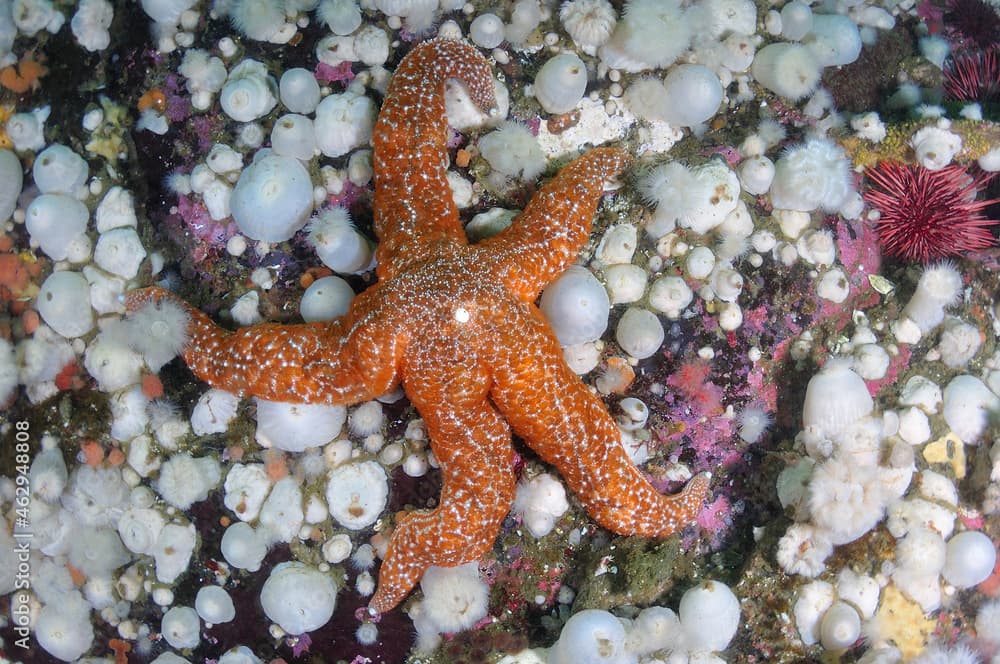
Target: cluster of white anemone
{"x": 703, "y": 47}
{"x": 858, "y": 469}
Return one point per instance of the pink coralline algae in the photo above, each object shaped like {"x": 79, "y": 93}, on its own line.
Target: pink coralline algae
{"x": 327, "y": 74}
{"x": 178, "y": 106}
{"x": 200, "y": 223}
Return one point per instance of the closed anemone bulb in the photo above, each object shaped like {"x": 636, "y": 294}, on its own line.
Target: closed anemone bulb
{"x": 487, "y": 30}
{"x": 298, "y": 597}
{"x": 299, "y": 90}
{"x": 342, "y": 16}
{"x": 561, "y": 82}
{"x": 970, "y": 559}
{"x": 64, "y": 304}
{"x": 58, "y": 169}
{"x": 293, "y": 135}
{"x": 338, "y": 243}
{"x": 591, "y": 635}
{"x": 325, "y": 299}
{"x": 695, "y": 93}
{"x": 840, "y": 627}
{"x": 787, "y": 69}
{"x": 639, "y": 332}
{"x": 836, "y": 398}
{"x": 272, "y": 198}
{"x": 577, "y": 306}
{"x": 55, "y": 221}
{"x": 796, "y": 20}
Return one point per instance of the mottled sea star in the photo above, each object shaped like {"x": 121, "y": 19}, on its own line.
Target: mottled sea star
{"x": 456, "y": 325}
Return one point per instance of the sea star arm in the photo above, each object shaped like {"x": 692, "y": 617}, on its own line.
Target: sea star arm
{"x": 414, "y": 210}
{"x": 547, "y": 236}
{"x": 567, "y": 425}
{"x": 472, "y": 443}
{"x": 337, "y": 363}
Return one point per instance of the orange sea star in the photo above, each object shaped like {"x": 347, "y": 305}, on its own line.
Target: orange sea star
{"x": 455, "y": 324}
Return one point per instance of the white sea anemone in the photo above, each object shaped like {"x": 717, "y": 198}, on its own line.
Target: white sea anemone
{"x": 258, "y": 19}
{"x": 299, "y": 90}
{"x": 591, "y": 635}
{"x": 540, "y": 502}
{"x": 298, "y": 597}
{"x": 560, "y": 83}
{"x": 639, "y": 332}
{"x": 243, "y": 547}
{"x": 455, "y": 598}
{"x": 788, "y": 69}
{"x": 342, "y": 16}
{"x": 590, "y": 23}
{"x": 338, "y": 242}
{"x": 513, "y": 151}
{"x": 55, "y": 222}
{"x": 356, "y": 494}
{"x": 64, "y": 304}
{"x": 753, "y": 422}
{"x": 157, "y": 330}
{"x": 273, "y": 198}
{"x": 180, "y": 627}
{"x": 651, "y": 35}
{"x": 249, "y": 92}
{"x": 576, "y": 305}
{"x": 343, "y": 122}
{"x": 59, "y": 170}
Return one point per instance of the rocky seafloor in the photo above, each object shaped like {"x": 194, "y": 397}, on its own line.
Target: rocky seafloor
{"x": 810, "y": 235}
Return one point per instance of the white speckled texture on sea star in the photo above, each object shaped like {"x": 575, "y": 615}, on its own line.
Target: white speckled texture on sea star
{"x": 455, "y": 324}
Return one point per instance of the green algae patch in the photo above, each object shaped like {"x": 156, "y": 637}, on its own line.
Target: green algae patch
{"x": 629, "y": 570}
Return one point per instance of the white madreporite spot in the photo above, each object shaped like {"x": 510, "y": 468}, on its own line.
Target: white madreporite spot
{"x": 298, "y": 597}
{"x": 356, "y": 494}
{"x": 64, "y": 304}
{"x": 295, "y": 427}
{"x": 272, "y": 198}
